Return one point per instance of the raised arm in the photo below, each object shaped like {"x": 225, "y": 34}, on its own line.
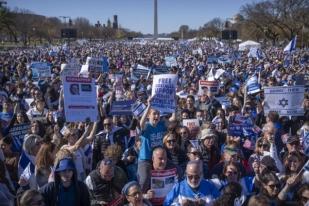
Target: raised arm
{"x": 144, "y": 117}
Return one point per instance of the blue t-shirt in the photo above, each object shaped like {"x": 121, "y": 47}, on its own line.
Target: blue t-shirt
{"x": 151, "y": 137}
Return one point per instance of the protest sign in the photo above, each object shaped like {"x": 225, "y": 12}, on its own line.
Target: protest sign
{"x": 118, "y": 86}
{"x": 71, "y": 69}
{"x": 212, "y": 60}
{"x": 121, "y": 107}
{"x": 138, "y": 109}
{"x": 241, "y": 126}
{"x": 94, "y": 64}
{"x": 205, "y": 85}
{"x": 18, "y": 133}
{"x": 40, "y": 70}
{"x": 193, "y": 125}
{"x": 170, "y": 61}
{"x": 161, "y": 70}
{"x": 162, "y": 181}
{"x": 140, "y": 70}
{"x": 80, "y": 99}
{"x": 287, "y": 101}
{"x": 163, "y": 92}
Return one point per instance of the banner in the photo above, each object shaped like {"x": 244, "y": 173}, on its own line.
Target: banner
{"x": 118, "y": 86}
{"x": 18, "y": 133}
{"x": 161, "y": 70}
{"x": 193, "y": 125}
{"x": 121, "y": 107}
{"x": 287, "y": 101}
{"x": 162, "y": 181}
{"x": 71, "y": 69}
{"x": 170, "y": 61}
{"x": 138, "y": 109}
{"x": 212, "y": 86}
{"x": 40, "y": 70}
{"x": 241, "y": 126}
{"x": 95, "y": 64}
{"x": 163, "y": 92}
{"x": 140, "y": 70}
{"x": 80, "y": 99}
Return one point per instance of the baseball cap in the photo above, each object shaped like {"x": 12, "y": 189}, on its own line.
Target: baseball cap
{"x": 207, "y": 133}
{"x": 65, "y": 164}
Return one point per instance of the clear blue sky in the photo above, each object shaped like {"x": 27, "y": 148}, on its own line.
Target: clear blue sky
{"x": 137, "y": 15}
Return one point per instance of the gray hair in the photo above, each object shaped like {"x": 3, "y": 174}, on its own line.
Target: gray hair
{"x": 30, "y": 142}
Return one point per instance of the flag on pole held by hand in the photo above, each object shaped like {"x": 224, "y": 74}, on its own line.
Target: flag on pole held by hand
{"x": 291, "y": 45}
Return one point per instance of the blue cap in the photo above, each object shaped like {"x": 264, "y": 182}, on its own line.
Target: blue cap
{"x": 65, "y": 164}
{"x": 233, "y": 89}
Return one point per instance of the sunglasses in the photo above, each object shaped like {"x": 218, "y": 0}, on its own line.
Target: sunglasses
{"x": 171, "y": 141}
{"x": 107, "y": 124}
{"x": 191, "y": 177}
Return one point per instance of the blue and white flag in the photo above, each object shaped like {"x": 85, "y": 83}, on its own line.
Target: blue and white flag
{"x": 256, "y": 53}
{"x": 291, "y": 45}
{"x": 305, "y": 138}
{"x": 253, "y": 85}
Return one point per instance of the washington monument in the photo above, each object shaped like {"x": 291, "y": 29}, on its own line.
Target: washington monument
{"x": 155, "y": 23}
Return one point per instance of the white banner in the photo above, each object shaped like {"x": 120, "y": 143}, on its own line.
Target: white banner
{"x": 80, "y": 100}
{"x": 287, "y": 101}
{"x": 164, "y": 91}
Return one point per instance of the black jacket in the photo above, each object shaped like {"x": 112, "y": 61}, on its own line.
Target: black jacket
{"x": 50, "y": 194}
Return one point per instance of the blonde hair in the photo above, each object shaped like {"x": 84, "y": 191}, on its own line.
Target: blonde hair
{"x": 61, "y": 154}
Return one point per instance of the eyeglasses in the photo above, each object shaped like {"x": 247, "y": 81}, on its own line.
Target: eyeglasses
{"x": 191, "y": 177}
{"x": 134, "y": 194}
{"x": 274, "y": 186}
{"x": 183, "y": 133}
{"x": 171, "y": 141}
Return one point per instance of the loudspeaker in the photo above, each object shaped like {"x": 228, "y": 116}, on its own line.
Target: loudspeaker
{"x": 229, "y": 34}
{"x": 68, "y": 33}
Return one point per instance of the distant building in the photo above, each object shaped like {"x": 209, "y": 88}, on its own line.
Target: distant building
{"x": 115, "y": 23}
{"x": 109, "y": 24}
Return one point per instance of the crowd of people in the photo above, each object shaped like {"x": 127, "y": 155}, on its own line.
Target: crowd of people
{"x": 112, "y": 161}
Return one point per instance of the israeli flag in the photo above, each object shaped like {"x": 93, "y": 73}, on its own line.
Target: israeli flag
{"x": 256, "y": 53}
{"x": 291, "y": 45}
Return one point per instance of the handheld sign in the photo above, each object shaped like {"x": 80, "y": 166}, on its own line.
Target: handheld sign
{"x": 80, "y": 99}
{"x": 287, "y": 101}
{"x": 163, "y": 92}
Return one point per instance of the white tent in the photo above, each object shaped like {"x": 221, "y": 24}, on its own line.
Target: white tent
{"x": 248, "y": 45}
